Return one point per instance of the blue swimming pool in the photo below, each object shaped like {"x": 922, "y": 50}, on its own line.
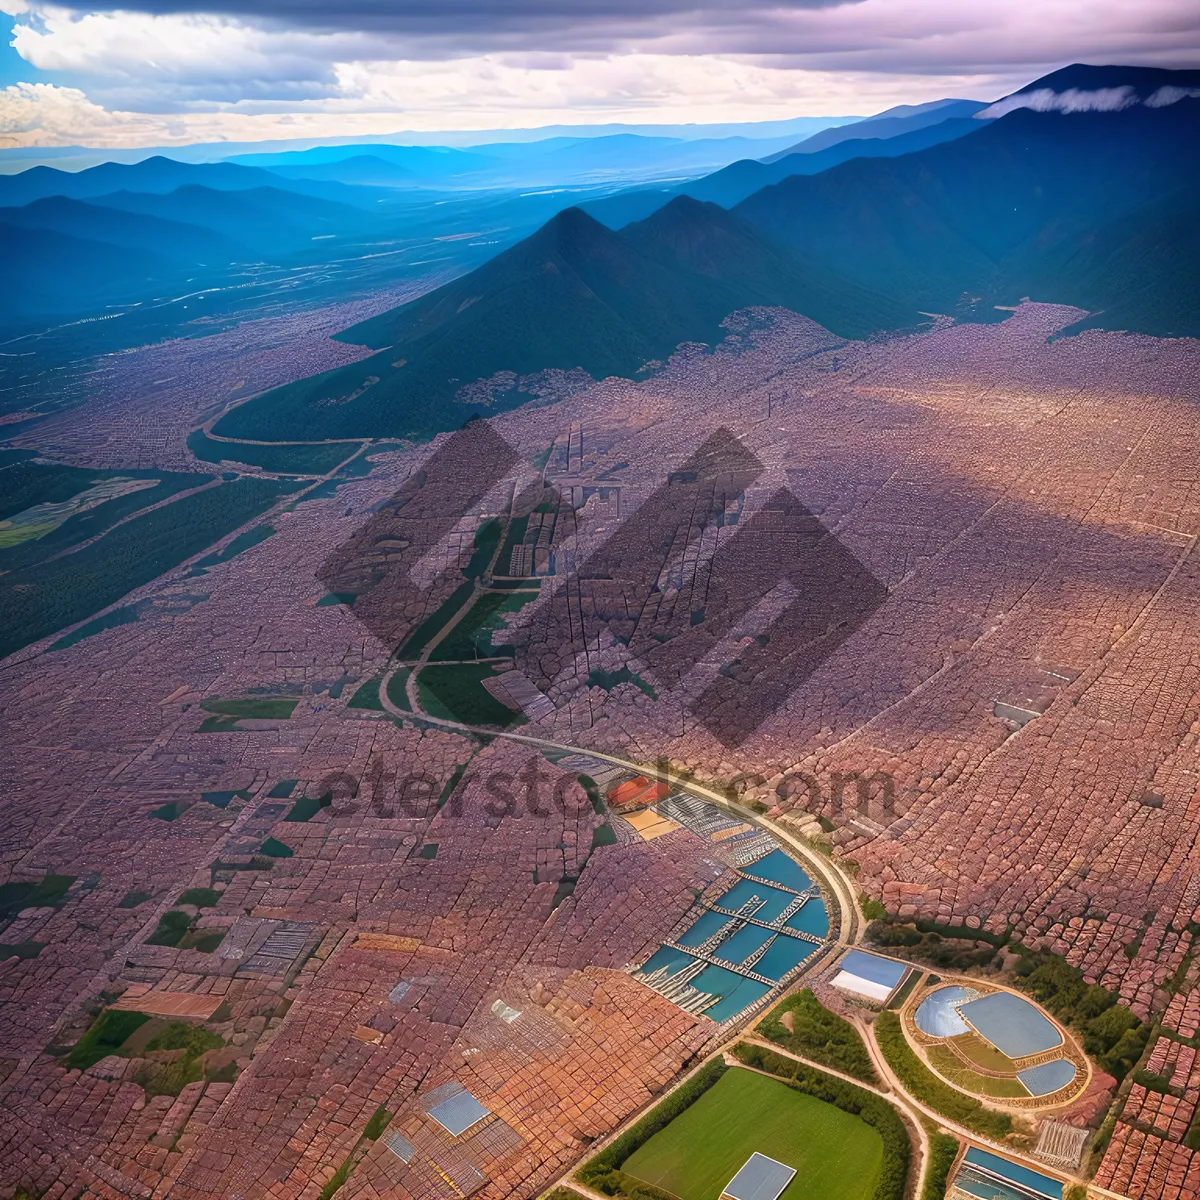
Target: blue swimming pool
{"x": 664, "y": 956}
{"x": 743, "y": 943}
{"x": 936, "y": 1015}
{"x": 812, "y": 918}
{"x": 736, "y": 992}
{"x": 778, "y": 867}
{"x": 704, "y": 927}
{"x": 1012, "y": 1024}
{"x": 1049, "y": 1077}
{"x": 992, "y": 1164}
{"x": 744, "y": 889}
{"x": 784, "y": 954}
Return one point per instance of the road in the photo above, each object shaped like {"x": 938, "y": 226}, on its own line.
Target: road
{"x": 829, "y": 873}
{"x": 832, "y": 877}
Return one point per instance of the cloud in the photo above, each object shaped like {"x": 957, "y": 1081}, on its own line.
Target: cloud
{"x": 40, "y": 113}
{"x": 1171, "y": 95}
{"x": 905, "y": 36}
{"x": 226, "y": 65}
{"x": 1077, "y": 100}
{"x": 1073, "y": 100}
{"x": 477, "y": 93}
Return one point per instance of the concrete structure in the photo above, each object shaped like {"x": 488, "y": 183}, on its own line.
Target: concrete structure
{"x": 870, "y": 975}
{"x": 761, "y": 1178}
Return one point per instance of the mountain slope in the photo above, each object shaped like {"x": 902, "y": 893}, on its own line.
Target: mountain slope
{"x": 365, "y": 169}
{"x": 267, "y": 220}
{"x": 974, "y": 214}
{"x": 48, "y": 274}
{"x": 734, "y": 183}
{"x": 420, "y": 162}
{"x": 1142, "y": 82}
{"x": 1138, "y": 272}
{"x": 707, "y": 240}
{"x": 157, "y": 235}
{"x": 892, "y": 123}
{"x": 160, "y": 175}
{"x": 573, "y": 295}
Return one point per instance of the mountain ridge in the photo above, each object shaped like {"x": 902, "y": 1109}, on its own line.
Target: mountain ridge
{"x": 574, "y": 295}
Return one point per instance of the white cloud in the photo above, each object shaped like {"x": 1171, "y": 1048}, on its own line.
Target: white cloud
{"x": 478, "y": 93}
{"x": 42, "y": 114}
{"x": 239, "y": 77}
{"x": 1073, "y": 100}
{"x": 1077, "y": 100}
{"x": 1171, "y": 95}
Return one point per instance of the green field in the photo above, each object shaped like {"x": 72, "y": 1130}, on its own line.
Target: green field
{"x": 280, "y": 458}
{"x": 43, "y": 598}
{"x": 950, "y": 1067}
{"x": 456, "y": 693}
{"x": 472, "y": 637}
{"x": 836, "y": 1156}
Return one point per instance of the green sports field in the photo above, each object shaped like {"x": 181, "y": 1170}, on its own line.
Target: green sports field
{"x": 836, "y": 1156}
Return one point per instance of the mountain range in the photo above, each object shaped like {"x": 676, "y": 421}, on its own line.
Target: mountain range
{"x": 574, "y": 295}
{"x": 1094, "y": 208}
{"x": 996, "y": 213}
{"x": 1081, "y": 188}
{"x": 743, "y": 178}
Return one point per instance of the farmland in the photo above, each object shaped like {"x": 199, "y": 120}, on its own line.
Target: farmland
{"x": 836, "y": 1156}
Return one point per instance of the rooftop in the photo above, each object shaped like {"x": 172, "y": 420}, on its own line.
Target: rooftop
{"x": 761, "y": 1178}
{"x": 459, "y": 1113}
{"x": 1012, "y": 1024}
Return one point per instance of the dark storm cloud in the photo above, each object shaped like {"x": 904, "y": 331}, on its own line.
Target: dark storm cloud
{"x": 445, "y": 27}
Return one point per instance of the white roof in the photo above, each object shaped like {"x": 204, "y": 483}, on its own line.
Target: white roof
{"x": 861, "y": 987}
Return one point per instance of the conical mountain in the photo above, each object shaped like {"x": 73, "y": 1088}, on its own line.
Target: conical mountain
{"x": 572, "y": 295}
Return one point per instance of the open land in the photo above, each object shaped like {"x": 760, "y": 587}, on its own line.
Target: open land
{"x": 836, "y": 1156}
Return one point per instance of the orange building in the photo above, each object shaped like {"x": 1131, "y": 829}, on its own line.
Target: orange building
{"x": 636, "y": 793}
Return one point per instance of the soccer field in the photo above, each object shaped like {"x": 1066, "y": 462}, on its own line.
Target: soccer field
{"x": 836, "y": 1156}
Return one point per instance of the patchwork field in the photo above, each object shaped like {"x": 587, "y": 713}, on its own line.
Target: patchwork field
{"x": 836, "y": 1156}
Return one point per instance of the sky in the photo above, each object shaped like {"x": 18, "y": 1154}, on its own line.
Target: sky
{"x": 165, "y": 72}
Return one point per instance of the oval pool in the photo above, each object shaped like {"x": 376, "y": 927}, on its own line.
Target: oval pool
{"x": 937, "y": 1016}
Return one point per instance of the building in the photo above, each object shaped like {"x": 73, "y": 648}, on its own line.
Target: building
{"x": 638, "y": 792}
{"x": 761, "y": 1178}
{"x": 870, "y": 976}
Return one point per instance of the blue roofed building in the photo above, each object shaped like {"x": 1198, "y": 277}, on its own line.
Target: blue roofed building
{"x": 761, "y": 1178}
{"x": 986, "y": 1176}
{"x": 869, "y": 975}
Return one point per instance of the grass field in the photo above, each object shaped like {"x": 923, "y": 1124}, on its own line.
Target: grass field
{"x": 984, "y": 1055}
{"x": 951, "y": 1067}
{"x": 282, "y": 458}
{"x": 456, "y": 693}
{"x": 836, "y": 1156}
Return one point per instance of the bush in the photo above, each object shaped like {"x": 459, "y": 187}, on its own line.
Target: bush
{"x": 955, "y": 948}
{"x": 872, "y": 1109}
{"x": 172, "y": 926}
{"x": 872, "y": 909}
{"x": 1110, "y": 1032}
{"x": 1153, "y": 1083}
{"x": 820, "y": 1035}
{"x": 105, "y": 1036}
{"x": 179, "y": 1035}
{"x": 928, "y": 1088}
{"x": 1192, "y": 1138}
{"x": 943, "y": 1150}
{"x": 602, "y": 1171}
{"x": 377, "y": 1124}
